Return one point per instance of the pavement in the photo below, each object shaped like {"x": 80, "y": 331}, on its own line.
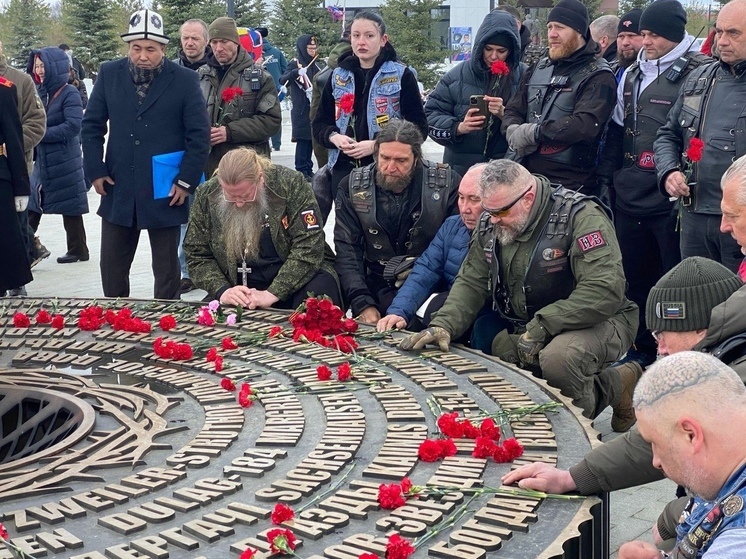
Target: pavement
{"x": 633, "y": 511}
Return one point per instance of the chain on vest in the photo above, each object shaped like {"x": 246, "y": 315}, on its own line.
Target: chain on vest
{"x": 554, "y": 97}
{"x": 549, "y": 276}
{"x": 436, "y": 187}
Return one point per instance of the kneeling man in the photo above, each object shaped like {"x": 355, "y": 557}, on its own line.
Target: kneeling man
{"x": 254, "y": 237}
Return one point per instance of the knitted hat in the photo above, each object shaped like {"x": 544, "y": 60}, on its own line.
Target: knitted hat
{"x": 571, "y": 13}
{"x": 683, "y": 298}
{"x": 666, "y": 18}
{"x": 630, "y": 22}
{"x": 223, "y": 28}
{"x": 501, "y": 40}
{"x": 145, "y": 24}
{"x": 263, "y": 31}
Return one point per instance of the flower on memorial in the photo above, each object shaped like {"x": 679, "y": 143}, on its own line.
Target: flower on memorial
{"x": 407, "y": 488}
{"x": 390, "y": 496}
{"x": 231, "y": 319}
{"x": 248, "y": 553}
{"x": 172, "y": 350}
{"x": 91, "y": 318}
{"x": 350, "y": 325}
{"x": 205, "y": 317}
{"x": 167, "y": 322}
{"x": 320, "y": 321}
{"x": 429, "y": 450}
{"x": 228, "y": 343}
{"x": 347, "y": 103}
{"x": 58, "y": 322}
{"x": 323, "y": 372}
{"x": 489, "y": 429}
{"x": 398, "y": 547}
{"x": 218, "y": 363}
{"x": 246, "y": 396}
{"x": 281, "y": 513}
{"x": 344, "y": 372}
{"x": 368, "y": 556}
{"x": 447, "y": 448}
{"x": 21, "y": 320}
{"x": 211, "y": 355}
{"x": 281, "y": 541}
{"x": 484, "y": 447}
{"x": 43, "y": 317}
{"x": 3, "y": 532}
{"x": 449, "y": 426}
{"x": 513, "y": 448}
{"x": 275, "y": 331}
{"x": 183, "y": 352}
{"x": 228, "y": 385}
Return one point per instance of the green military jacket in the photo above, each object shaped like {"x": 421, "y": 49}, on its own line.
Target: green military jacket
{"x": 296, "y": 229}
{"x": 600, "y": 284}
{"x": 249, "y": 120}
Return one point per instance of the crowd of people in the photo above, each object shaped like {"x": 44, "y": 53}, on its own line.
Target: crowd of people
{"x": 588, "y": 217}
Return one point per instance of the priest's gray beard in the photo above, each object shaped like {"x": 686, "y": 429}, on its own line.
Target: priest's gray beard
{"x": 242, "y": 227}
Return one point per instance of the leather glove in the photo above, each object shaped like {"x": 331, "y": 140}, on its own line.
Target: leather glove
{"x": 434, "y": 334}
{"x": 528, "y": 349}
{"x": 302, "y": 71}
{"x": 523, "y": 137}
{"x": 21, "y": 203}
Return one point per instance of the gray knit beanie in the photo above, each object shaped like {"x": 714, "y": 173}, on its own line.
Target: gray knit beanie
{"x": 223, "y": 28}
{"x": 683, "y": 298}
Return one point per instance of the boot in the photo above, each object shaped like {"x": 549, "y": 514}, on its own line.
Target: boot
{"x": 623, "y": 417}
{"x": 40, "y": 252}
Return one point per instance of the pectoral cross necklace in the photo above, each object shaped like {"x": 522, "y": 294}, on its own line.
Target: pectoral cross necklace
{"x": 243, "y": 269}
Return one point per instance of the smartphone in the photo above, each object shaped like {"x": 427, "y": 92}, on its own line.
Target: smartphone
{"x": 478, "y": 102}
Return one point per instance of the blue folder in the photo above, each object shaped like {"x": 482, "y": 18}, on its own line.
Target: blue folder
{"x": 165, "y": 169}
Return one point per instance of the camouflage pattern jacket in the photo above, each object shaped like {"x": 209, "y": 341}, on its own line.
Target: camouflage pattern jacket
{"x": 296, "y": 229}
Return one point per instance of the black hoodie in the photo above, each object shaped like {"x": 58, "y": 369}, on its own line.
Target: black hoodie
{"x": 300, "y": 113}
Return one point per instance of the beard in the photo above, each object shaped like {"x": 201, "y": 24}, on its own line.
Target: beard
{"x": 626, "y": 61}
{"x": 563, "y": 51}
{"x": 394, "y": 184}
{"x": 508, "y": 233}
{"x": 242, "y": 227}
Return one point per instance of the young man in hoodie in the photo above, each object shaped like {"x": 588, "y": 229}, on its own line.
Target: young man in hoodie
{"x": 555, "y": 122}
{"x": 645, "y": 220}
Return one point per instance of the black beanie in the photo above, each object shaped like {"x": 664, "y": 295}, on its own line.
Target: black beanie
{"x": 501, "y": 40}
{"x": 683, "y": 299}
{"x": 630, "y": 22}
{"x": 666, "y": 18}
{"x": 571, "y": 13}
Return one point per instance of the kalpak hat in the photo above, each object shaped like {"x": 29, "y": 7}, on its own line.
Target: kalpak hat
{"x": 146, "y": 24}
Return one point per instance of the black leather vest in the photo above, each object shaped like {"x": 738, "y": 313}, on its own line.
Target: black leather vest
{"x": 427, "y": 219}
{"x": 553, "y": 97}
{"x": 548, "y": 276}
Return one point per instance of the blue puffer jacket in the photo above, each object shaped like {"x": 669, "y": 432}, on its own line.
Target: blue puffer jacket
{"x": 447, "y": 105}
{"x": 436, "y": 268}
{"x": 59, "y": 160}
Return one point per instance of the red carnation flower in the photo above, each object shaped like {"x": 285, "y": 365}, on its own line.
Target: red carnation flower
{"x": 344, "y": 372}
{"x": 390, "y": 496}
{"x": 484, "y": 447}
{"x": 470, "y": 431}
{"x": 346, "y": 105}
{"x": 499, "y": 68}
{"x": 449, "y": 426}
{"x": 323, "y": 372}
{"x": 58, "y": 322}
{"x": 500, "y": 455}
{"x": 246, "y": 388}
{"x": 21, "y": 320}
{"x": 281, "y": 541}
{"x": 281, "y": 513}
{"x": 489, "y": 429}
{"x": 228, "y": 343}
{"x": 350, "y": 325}
{"x": 230, "y": 93}
{"x": 513, "y": 448}
{"x": 406, "y": 485}
{"x": 3, "y": 532}
{"x": 429, "y": 450}
{"x": 695, "y": 149}
{"x": 245, "y": 400}
{"x": 167, "y": 322}
{"x": 211, "y": 354}
{"x": 248, "y": 553}
{"x": 43, "y": 317}
{"x": 218, "y": 363}
{"x": 183, "y": 352}
{"x": 275, "y": 331}
{"x": 368, "y": 556}
{"x": 447, "y": 448}
{"x": 228, "y": 385}
{"x": 398, "y": 547}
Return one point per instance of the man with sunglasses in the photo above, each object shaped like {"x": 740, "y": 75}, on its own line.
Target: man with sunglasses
{"x": 550, "y": 260}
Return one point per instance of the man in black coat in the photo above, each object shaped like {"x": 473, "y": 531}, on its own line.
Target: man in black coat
{"x": 150, "y": 106}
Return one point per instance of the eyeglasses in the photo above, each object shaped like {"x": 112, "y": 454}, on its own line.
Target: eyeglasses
{"x": 657, "y": 335}
{"x": 502, "y": 212}
{"x": 258, "y": 185}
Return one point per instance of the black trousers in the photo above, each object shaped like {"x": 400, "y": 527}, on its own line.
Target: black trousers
{"x": 303, "y": 161}
{"x": 77, "y": 243}
{"x": 118, "y": 246}
{"x": 701, "y": 236}
{"x": 650, "y": 248}
{"x": 322, "y": 283}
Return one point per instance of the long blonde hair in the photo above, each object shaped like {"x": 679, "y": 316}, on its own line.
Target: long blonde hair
{"x": 241, "y": 164}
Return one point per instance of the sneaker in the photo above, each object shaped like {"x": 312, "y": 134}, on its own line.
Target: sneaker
{"x": 40, "y": 252}
{"x": 624, "y": 414}
{"x": 18, "y": 292}
{"x": 187, "y": 285}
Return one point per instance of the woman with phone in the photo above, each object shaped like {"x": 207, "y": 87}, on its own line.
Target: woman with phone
{"x": 464, "y": 111}
{"x": 367, "y": 89}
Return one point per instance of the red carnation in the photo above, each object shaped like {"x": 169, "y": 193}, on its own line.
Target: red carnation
{"x": 470, "y": 431}
{"x": 228, "y": 384}
{"x": 3, "y": 532}
{"x": 500, "y": 455}
{"x": 230, "y": 93}
{"x": 275, "y": 331}
{"x": 484, "y": 447}
{"x": 694, "y": 151}
{"x": 449, "y": 426}
{"x": 390, "y": 496}
{"x": 346, "y": 105}
{"x": 167, "y": 322}
{"x": 406, "y": 485}
{"x": 245, "y": 400}
{"x": 344, "y": 372}
{"x": 43, "y": 317}
{"x": 218, "y": 363}
{"x": 246, "y": 388}
{"x": 281, "y": 513}
{"x": 248, "y": 553}
{"x": 281, "y": 541}
{"x": 58, "y": 322}
{"x": 398, "y": 547}
{"x": 350, "y": 325}
{"x": 368, "y": 556}
{"x": 429, "y": 450}
{"x": 323, "y": 372}
{"x": 21, "y": 320}
{"x": 212, "y": 354}
{"x": 489, "y": 429}
{"x": 228, "y": 343}
{"x": 513, "y": 448}
{"x": 183, "y": 352}
{"x": 447, "y": 448}
{"x": 499, "y": 68}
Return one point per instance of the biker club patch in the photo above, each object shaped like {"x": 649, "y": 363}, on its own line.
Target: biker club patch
{"x": 591, "y": 241}
{"x": 309, "y": 218}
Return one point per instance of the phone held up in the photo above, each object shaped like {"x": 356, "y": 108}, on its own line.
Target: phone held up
{"x": 478, "y": 102}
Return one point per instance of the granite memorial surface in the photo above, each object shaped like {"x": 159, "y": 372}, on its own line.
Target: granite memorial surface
{"x": 108, "y": 449}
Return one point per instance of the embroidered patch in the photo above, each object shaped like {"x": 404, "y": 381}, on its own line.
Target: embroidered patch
{"x": 285, "y": 222}
{"x": 673, "y": 310}
{"x": 381, "y": 104}
{"x": 646, "y": 160}
{"x": 392, "y": 79}
{"x": 733, "y": 505}
{"x": 552, "y": 253}
{"x": 309, "y": 218}
{"x": 591, "y": 241}
{"x": 381, "y": 120}
{"x": 339, "y": 81}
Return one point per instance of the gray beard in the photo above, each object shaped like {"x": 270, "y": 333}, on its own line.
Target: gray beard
{"x": 507, "y": 235}
{"x": 242, "y": 227}
{"x": 394, "y": 184}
